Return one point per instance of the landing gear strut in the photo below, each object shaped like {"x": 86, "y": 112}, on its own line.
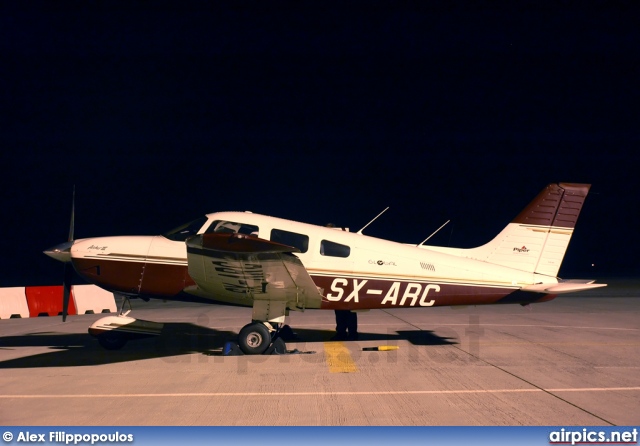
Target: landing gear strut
{"x": 264, "y": 334}
{"x": 111, "y": 340}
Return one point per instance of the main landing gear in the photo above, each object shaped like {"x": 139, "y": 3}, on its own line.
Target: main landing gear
{"x": 263, "y": 336}
{"x": 254, "y": 338}
{"x": 258, "y": 338}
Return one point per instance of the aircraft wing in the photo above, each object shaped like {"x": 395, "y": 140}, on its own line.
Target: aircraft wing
{"x": 566, "y": 286}
{"x": 247, "y": 270}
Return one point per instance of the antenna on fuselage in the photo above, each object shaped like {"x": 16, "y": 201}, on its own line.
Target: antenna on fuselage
{"x": 434, "y": 233}
{"x": 374, "y": 219}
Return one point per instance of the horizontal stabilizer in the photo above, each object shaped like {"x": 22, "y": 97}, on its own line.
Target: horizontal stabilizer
{"x": 567, "y": 286}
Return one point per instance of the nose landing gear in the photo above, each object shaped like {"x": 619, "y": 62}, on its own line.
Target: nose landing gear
{"x": 113, "y": 332}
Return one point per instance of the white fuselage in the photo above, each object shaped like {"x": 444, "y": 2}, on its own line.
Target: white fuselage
{"x": 351, "y": 269}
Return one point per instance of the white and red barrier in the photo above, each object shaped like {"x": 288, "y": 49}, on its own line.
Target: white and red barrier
{"x": 13, "y": 303}
{"x": 91, "y": 299}
{"x": 47, "y": 301}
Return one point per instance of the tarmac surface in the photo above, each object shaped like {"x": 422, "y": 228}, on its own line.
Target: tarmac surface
{"x": 572, "y": 361}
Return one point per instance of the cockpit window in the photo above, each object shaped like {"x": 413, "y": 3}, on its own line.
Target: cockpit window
{"x": 181, "y": 233}
{"x": 333, "y": 249}
{"x": 232, "y": 227}
{"x": 288, "y": 238}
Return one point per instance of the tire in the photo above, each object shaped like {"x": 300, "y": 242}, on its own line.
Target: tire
{"x": 254, "y": 338}
{"x": 111, "y": 340}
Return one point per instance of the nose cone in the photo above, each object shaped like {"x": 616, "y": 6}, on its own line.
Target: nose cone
{"x": 61, "y": 252}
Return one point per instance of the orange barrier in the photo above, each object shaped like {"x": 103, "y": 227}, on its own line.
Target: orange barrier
{"x": 47, "y": 301}
{"x": 13, "y": 303}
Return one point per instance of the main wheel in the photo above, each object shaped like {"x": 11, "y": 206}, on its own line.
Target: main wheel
{"x": 254, "y": 338}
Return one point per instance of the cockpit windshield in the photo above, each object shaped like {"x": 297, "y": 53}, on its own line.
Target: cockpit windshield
{"x": 232, "y": 227}
{"x": 181, "y": 233}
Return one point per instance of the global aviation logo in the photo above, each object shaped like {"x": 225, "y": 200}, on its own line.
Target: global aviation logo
{"x": 523, "y": 249}
{"x": 382, "y": 263}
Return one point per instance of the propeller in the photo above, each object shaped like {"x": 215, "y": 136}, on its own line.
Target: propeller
{"x": 62, "y": 252}
{"x": 68, "y": 269}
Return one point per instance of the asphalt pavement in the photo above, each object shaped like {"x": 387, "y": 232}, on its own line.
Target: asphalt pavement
{"x": 572, "y": 361}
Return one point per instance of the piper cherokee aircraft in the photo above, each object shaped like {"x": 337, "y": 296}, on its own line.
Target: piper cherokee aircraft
{"x": 276, "y": 266}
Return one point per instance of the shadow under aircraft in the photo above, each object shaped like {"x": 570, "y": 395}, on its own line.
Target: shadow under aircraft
{"x": 175, "y": 340}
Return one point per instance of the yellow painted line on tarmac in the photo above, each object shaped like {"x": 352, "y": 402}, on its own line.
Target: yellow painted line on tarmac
{"x": 339, "y": 358}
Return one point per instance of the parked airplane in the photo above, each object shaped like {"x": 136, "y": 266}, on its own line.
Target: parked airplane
{"x": 276, "y": 266}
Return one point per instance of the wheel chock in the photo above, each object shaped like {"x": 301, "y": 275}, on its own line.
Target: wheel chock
{"x": 380, "y": 348}
{"x": 232, "y": 349}
{"x": 277, "y": 347}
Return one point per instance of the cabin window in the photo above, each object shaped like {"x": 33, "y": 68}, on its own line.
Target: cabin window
{"x": 181, "y": 233}
{"x": 231, "y": 227}
{"x": 333, "y": 249}
{"x": 294, "y": 239}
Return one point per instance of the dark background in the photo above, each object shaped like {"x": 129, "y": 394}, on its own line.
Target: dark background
{"x": 318, "y": 112}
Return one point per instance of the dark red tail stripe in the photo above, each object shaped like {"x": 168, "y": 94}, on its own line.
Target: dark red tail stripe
{"x": 557, "y": 205}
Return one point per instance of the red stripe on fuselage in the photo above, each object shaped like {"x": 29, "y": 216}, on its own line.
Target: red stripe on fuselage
{"x": 166, "y": 281}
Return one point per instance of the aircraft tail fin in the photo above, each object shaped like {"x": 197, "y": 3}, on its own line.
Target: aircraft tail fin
{"x": 537, "y": 239}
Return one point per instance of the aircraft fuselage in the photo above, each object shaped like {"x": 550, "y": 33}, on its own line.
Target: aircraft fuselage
{"x": 351, "y": 270}
{"x": 276, "y": 265}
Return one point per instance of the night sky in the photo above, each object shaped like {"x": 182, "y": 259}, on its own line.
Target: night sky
{"x": 318, "y": 112}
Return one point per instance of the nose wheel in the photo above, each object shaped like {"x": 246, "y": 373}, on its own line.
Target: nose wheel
{"x": 254, "y": 338}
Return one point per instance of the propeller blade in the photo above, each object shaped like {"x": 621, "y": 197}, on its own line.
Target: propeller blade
{"x": 73, "y": 208}
{"x": 68, "y": 269}
{"x": 66, "y": 290}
